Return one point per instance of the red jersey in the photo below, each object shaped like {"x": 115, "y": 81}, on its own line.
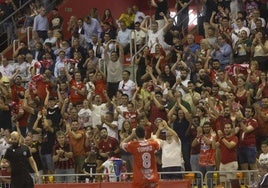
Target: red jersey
{"x": 263, "y": 125}
{"x": 145, "y": 168}
{"x": 108, "y": 145}
{"x": 228, "y": 155}
{"x": 248, "y": 139}
{"x": 207, "y": 153}
{"x": 75, "y": 97}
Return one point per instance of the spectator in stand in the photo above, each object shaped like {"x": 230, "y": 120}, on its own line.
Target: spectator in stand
{"x": 126, "y": 85}
{"x": 59, "y": 64}
{"x": 207, "y": 151}
{"x": 139, "y": 16}
{"x": 222, "y": 51}
{"x": 38, "y": 51}
{"x": 77, "y": 87}
{"x": 50, "y": 38}
{"x": 123, "y": 36}
{"x": 6, "y": 68}
{"x": 142, "y": 60}
{"x": 262, "y": 91}
{"x": 247, "y": 151}
{"x": 262, "y": 118}
{"x": 137, "y": 36}
{"x": 161, "y": 10}
{"x": 224, "y": 27}
{"x": 48, "y": 140}
{"x": 92, "y": 62}
{"x": 110, "y": 124}
{"x": 91, "y": 27}
{"x": 77, "y": 141}
{"x": 128, "y": 18}
{"x": 242, "y": 48}
{"x": 155, "y": 34}
{"x": 63, "y": 159}
{"x": 108, "y": 29}
{"x": 21, "y": 50}
{"x": 171, "y": 151}
{"x": 94, "y": 13}
{"x": 72, "y": 24}
{"x": 259, "y": 50}
{"x": 7, "y": 7}
{"x": 114, "y": 63}
{"x": 227, "y": 144}
{"x": 41, "y": 24}
{"x": 108, "y": 147}
{"x": 96, "y": 45}
{"x": 255, "y": 16}
{"x": 56, "y": 21}
{"x": 181, "y": 126}
{"x": 108, "y": 17}
{"x": 263, "y": 158}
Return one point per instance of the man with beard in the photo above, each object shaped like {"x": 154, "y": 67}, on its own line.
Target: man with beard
{"x": 203, "y": 81}
{"x": 227, "y": 143}
{"x": 262, "y": 117}
{"x": 207, "y": 151}
{"x": 182, "y": 82}
{"x": 108, "y": 147}
{"x": 19, "y": 156}
{"x": 77, "y": 140}
{"x": 247, "y": 152}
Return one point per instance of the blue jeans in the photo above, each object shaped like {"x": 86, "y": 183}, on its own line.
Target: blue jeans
{"x": 204, "y": 170}
{"x": 64, "y": 179}
{"x": 47, "y": 162}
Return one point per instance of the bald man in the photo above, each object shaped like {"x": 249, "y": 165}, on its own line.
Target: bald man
{"x": 18, "y": 156}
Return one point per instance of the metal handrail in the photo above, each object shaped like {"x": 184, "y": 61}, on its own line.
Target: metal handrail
{"x": 15, "y": 12}
{"x": 29, "y": 34}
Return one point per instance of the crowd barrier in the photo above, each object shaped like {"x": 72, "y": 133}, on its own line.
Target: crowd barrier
{"x": 162, "y": 184}
{"x": 191, "y": 179}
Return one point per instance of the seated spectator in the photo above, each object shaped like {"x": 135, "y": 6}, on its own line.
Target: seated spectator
{"x": 108, "y": 17}
{"x": 128, "y": 18}
{"x": 56, "y": 21}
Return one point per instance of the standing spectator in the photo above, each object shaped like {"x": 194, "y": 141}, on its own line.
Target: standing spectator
{"x": 262, "y": 118}
{"x": 107, "y": 147}
{"x": 137, "y": 36}
{"x": 41, "y": 24}
{"x": 128, "y": 18}
{"x": 222, "y": 51}
{"x": 126, "y": 85}
{"x": 145, "y": 170}
{"x": 7, "y": 7}
{"x": 19, "y": 156}
{"x": 139, "y": 16}
{"x": 123, "y": 36}
{"x": 247, "y": 150}
{"x": 63, "y": 159}
{"x": 77, "y": 141}
{"x": 91, "y": 27}
{"x": 207, "y": 151}
{"x": 263, "y": 158}
{"x": 171, "y": 151}
{"x": 227, "y": 144}
{"x": 161, "y": 7}
{"x": 48, "y": 140}
{"x": 114, "y": 63}
{"x": 56, "y": 21}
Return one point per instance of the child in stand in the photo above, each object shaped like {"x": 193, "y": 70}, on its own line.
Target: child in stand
{"x": 89, "y": 167}
{"x": 263, "y": 158}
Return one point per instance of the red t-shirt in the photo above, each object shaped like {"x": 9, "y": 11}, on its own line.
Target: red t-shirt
{"x": 248, "y": 139}
{"x": 228, "y": 155}
{"x": 207, "y": 153}
{"x": 145, "y": 168}
{"x": 75, "y": 97}
{"x": 108, "y": 145}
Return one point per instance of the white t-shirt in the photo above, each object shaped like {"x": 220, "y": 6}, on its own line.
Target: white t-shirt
{"x": 171, "y": 153}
